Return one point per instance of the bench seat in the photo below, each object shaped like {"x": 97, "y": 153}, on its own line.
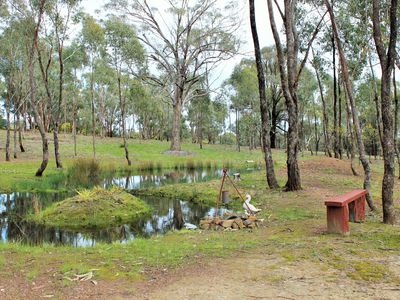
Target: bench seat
{"x": 344, "y": 208}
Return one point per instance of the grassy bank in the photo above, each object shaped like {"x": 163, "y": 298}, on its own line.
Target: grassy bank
{"x": 145, "y": 155}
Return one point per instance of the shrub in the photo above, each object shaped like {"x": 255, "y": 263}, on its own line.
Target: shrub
{"x": 84, "y": 172}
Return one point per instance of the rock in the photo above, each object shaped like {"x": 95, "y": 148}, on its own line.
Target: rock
{"x": 252, "y": 218}
{"x": 217, "y": 221}
{"x": 235, "y": 225}
{"x": 252, "y": 225}
{"x": 247, "y": 222}
{"x": 218, "y": 228}
{"x": 206, "y": 221}
{"x": 227, "y": 223}
{"x": 205, "y": 226}
{"x": 239, "y": 223}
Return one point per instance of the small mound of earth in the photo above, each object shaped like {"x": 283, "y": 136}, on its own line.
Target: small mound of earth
{"x": 179, "y": 153}
{"x": 93, "y": 209}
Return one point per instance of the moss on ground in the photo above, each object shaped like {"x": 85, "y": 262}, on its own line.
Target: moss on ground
{"x": 90, "y": 209}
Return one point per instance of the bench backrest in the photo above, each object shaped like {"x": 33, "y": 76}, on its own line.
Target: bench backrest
{"x": 344, "y": 199}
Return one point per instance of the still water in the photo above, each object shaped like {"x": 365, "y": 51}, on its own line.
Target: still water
{"x": 14, "y": 206}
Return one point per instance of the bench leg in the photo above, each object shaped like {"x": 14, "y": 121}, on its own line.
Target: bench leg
{"x": 360, "y": 209}
{"x": 352, "y": 212}
{"x": 338, "y": 219}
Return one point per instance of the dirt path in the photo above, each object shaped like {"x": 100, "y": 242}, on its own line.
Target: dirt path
{"x": 262, "y": 276}
{"x": 246, "y": 276}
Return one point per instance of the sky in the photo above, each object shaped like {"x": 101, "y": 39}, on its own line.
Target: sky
{"x": 225, "y": 68}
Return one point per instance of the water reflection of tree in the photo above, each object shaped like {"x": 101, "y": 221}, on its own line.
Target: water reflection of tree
{"x": 178, "y": 215}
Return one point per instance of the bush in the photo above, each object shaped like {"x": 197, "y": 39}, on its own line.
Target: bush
{"x": 84, "y": 172}
{"x": 66, "y": 127}
{"x": 228, "y": 138}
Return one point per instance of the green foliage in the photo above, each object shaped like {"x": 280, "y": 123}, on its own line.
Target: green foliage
{"x": 66, "y": 127}
{"x": 125, "y": 48}
{"x": 92, "y": 34}
{"x": 3, "y": 123}
{"x": 228, "y": 138}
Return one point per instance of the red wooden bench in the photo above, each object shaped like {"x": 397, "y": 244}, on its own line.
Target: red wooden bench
{"x": 344, "y": 208}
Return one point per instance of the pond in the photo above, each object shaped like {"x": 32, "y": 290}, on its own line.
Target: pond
{"x": 14, "y": 206}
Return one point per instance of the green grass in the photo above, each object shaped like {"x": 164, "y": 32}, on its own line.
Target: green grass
{"x": 294, "y": 228}
{"x": 205, "y": 193}
{"x": 293, "y": 214}
{"x": 145, "y": 155}
{"x": 92, "y": 209}
{"x": 129, "y": 260}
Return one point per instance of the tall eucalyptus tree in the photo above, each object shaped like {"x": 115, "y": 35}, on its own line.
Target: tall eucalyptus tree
{"x": 290, "y": 71}
{"x": 387, "y": 55}
{"x": 93, "y": 40}
{"x": 126, "y": 53}
{"x": 185, "y": 41}
{"x": 265, "y": 127}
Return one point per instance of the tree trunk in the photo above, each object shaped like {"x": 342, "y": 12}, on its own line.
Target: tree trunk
{"x": 349, "y": 91}
{"x": 386, "y": 57}
{"x": 376, "y": 100}
{"x": 74, "y": 119}
{"x": 178, "y": 215}
{"x": 15, "y": 135}
{"x": 176, "y": 120}
{"x": 289, "y": 85}
{"x": 316, "y": 133}
{"x": 274, "y": 117}
{"x": 58, "y": 111}
{"x": 340, "y": 143}
{"x": 310, "y": 126}
{"x": 396, "y": 120}
{"x": 93, "y": 110}
{"x": 34, "y": 104}
{"x": 8, "y": 104}
{"x": 335, "y": 113}
{"x": 237, "y": 130}
{"x": 57, "y": 146}
{"x": 122, "y": 105}
{"x": 21, "y": 146}
{"x": 293, "y": 171}
{"x": 350, "y": 137}
{"x": 325, "y": 120}
{"x": 54, "y": 116}
{"x": 265, "y": 130}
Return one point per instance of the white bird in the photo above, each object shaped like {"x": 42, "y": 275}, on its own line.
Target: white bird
{"x": 250, "y": 208}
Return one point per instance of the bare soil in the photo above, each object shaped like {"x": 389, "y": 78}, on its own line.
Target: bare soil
{"x": 247, "y": 275}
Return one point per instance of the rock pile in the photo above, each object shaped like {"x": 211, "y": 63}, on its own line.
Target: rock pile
{"x": 230, "y": 222}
